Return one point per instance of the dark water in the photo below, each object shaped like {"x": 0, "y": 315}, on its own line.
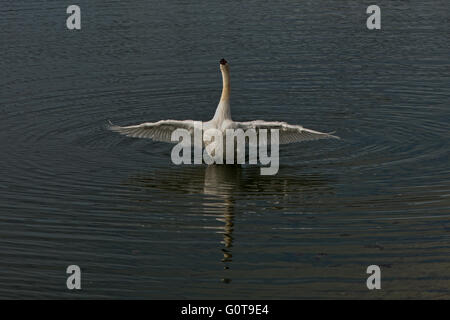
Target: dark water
{"x": 139, "y": 227}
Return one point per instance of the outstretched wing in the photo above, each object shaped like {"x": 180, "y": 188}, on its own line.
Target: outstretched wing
{"x": 288, "y": 133}
{"x": 158, "y": 131}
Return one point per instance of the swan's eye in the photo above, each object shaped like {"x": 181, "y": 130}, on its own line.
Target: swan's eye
{"x": 223, "y": 61}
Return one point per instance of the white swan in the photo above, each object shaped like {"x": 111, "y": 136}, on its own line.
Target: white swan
{"x": 162, "y": 130}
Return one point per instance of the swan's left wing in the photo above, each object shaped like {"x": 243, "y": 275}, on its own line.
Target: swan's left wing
{"x": 288, "y": 133}
{"x": 158, "y": 131}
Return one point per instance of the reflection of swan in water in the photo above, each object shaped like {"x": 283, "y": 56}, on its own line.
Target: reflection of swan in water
{"x": 223, "y": 187}
{"x": 219, "y": 182}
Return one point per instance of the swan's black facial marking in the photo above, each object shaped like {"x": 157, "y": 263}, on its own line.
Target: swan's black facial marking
{"x": 223, "y": 61}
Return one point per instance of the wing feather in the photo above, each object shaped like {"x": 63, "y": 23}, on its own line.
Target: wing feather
{"x": 158, "y": 131}
{"x": 288, "y": 133}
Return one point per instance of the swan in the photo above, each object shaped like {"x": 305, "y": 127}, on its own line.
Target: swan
{"x": 162, "y": 130}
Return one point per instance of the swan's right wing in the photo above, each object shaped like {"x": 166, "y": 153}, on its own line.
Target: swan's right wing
{"x": 288, "y": 133}
{"x": 158, "y": 131}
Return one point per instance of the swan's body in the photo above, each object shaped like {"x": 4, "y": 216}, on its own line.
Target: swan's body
{"x": 162, "y": 130}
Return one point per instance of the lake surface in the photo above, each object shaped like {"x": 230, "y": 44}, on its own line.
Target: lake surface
{"x": 72, "y": 192}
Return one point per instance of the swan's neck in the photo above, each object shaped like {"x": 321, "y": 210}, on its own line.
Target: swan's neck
{"x": 226, "y": 84}
{"x": 223, "y": 109}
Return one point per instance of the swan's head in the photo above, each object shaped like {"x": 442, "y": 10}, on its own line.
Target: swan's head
{"x": 224, "y": 65}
